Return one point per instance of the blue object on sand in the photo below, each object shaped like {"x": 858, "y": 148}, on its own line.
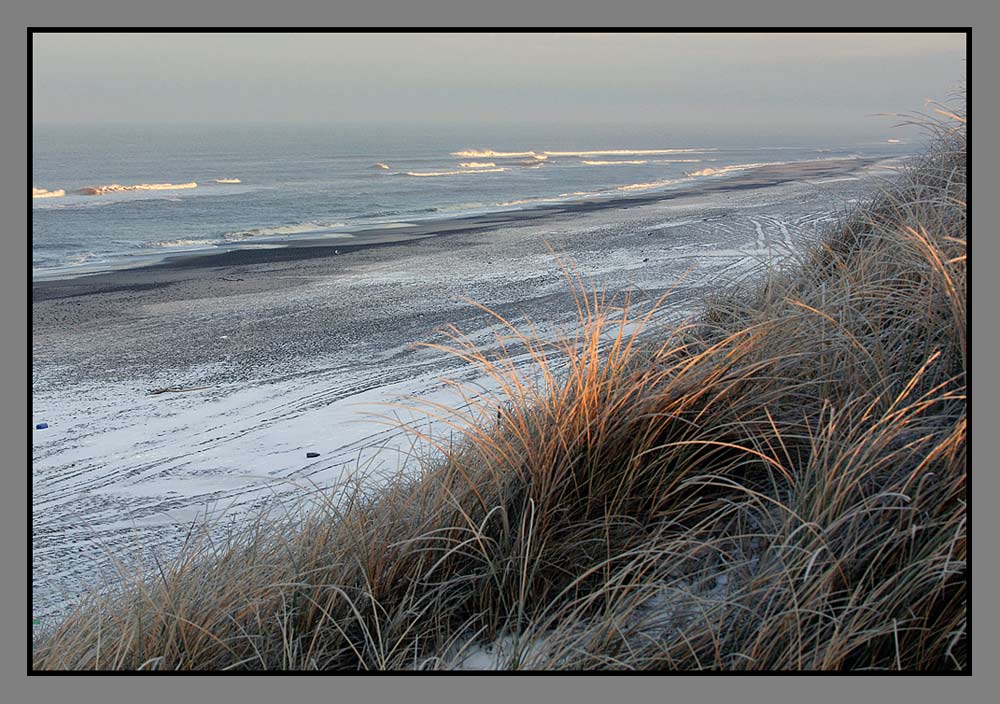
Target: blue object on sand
{"x": 41, "y": 426}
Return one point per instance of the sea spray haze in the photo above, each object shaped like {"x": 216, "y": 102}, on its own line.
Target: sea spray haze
{"x": 118, "y": 195}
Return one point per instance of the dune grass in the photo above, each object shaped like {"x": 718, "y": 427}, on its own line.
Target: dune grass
{"x": 779, "y": 485}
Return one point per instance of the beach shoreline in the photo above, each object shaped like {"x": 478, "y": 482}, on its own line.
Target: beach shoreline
{"x": 169, "y": 265}
{"x": 283, "y": 353}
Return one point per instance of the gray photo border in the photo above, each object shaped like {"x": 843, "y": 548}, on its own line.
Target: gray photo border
{"x": 15, "y": 298}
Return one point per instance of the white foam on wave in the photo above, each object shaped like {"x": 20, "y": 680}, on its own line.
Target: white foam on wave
{"x": 477, "y": 165}
{"x": 227, "y": 180}
{"x": 545, "y": 154}
{"x": 480, "y": 153}
{"x": 46, "y": 193}
{"x": 118, "y": 188}
{"x": 734, "y": 167}
{"x": 296, "y": 229}
{"x": 526, "y": 201}
{"x": 453, "y": 173}
{"x": 554, "y": 199}
{"x": 79, "y": 259}
{"x": 184, "y": 243}
{"x": 648, "y": 185}
{"x": 694, "y": 174}
{"x": 630, "y": 152}
{"x": 381, "y": 165}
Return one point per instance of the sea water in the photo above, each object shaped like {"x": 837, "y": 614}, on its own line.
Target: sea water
{"x": 125, "y": 195}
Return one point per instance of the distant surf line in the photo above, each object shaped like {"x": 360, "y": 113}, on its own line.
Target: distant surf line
{"x": 545, "y": 154}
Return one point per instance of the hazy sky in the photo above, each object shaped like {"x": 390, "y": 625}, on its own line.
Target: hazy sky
{"x": 769, "y": 82}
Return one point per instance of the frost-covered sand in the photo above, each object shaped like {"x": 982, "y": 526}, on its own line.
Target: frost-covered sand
{"x": 282, "y": 358}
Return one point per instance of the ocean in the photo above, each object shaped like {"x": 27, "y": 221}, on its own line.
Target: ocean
{"x": 194, "y": 188}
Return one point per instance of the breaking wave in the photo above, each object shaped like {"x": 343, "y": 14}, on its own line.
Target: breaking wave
{"x": 227, "y": 180}
{"x": 118, "y": 188}
{"x": 297, "y": 229}
{"x": 78, "y": 259}
{"x": 543, "y": 155}
{"x": 183, "y": 243}
{"x": 554, "y": 199}
{"x": 380, "y": 165}
{"x": 46, "y": 193}
{"x": 630, "y": 152}
{"x": 646, "y": 186}
{"x": 526, "y": 201}
{"x": 480, "y": 153}
{"x": 734, "y": 167}
{"x": 477, "y": 164}
{"x": 452, "y": 173}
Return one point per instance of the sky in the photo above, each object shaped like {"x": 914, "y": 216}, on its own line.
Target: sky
{"x": 766, "y": 82}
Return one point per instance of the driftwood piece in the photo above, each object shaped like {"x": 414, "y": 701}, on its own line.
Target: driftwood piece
{"x": 176, "y": 389}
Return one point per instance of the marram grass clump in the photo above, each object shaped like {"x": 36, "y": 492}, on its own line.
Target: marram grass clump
{"x": 780, "y": 485}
